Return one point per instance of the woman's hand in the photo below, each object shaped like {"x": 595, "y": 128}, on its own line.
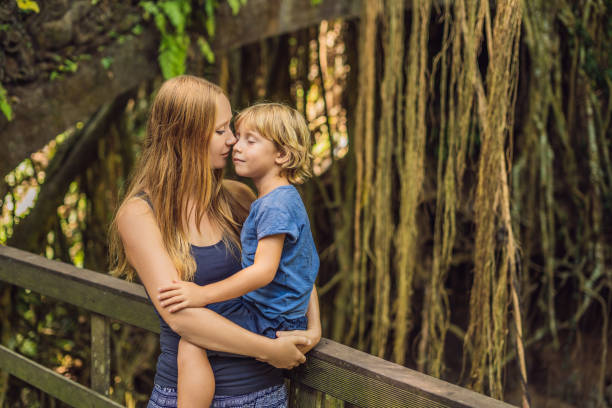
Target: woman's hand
{"x": 284, "y": 352}
{"x": 314, "y": 335}
{"x": 181, "y": 294}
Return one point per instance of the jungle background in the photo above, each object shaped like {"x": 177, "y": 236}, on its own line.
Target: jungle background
{"x": 461, "y": 204}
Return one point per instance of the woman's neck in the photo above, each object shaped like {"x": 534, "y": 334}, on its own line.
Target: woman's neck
{"x": 200, "y": 232}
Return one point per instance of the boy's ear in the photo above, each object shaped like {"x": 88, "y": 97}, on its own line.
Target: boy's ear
{"x": 282, "y": 157}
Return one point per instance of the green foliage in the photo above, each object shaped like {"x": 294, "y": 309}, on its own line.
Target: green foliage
{"x": 173, "y": 55}
{"x": 69, "y": 66}
{"x": 174, "y": 41}
{"x": 172, "y": 19}
{"x": 5, "y": 107}
{"x": 315, "y": 2}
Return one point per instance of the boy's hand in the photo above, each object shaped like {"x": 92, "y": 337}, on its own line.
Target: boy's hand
{"x": 181, "y": 294}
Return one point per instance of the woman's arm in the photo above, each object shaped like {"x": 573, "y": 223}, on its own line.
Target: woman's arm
{"x": 146, "y": 253}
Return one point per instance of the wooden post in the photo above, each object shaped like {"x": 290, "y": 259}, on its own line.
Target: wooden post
{"x": 302, "y": 396}
{"x": 331, "y": 402}
{"x": 100, "y": 354}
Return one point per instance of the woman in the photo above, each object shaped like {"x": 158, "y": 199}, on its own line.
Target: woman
{"x": 180, "y": 220}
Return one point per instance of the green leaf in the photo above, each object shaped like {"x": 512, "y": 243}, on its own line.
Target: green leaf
{"x": 235, "y": 6}
{"x": 106, "y": 62}
{"x": 28, "y": 5}
{"x": 5, "y": 107}
{"x": 28, "y": 348}
{"x": 160, "y": 22}
{"x": 149, "y": 7}
{"x": 209, "y": 8}
{"x": 177, "y": 12}
{"x": 137, "y": 29}
{"x": 206, "y": 50}
{"x": 69, "y": 66}
{"x": 210, "y": 26}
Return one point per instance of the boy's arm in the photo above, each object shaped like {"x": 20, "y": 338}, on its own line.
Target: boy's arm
{"x": 187, "y": 294}
{"x": 313, "y": 331}
{"x": 262, "y": 272}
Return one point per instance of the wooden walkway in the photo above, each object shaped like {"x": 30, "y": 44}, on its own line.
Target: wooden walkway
{"x": 333, "y": 376}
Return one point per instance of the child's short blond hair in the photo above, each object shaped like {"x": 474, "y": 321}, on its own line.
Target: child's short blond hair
{"x": 287, "y": 128}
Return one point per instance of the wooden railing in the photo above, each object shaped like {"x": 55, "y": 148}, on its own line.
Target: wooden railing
{"x": 333, "y": 376}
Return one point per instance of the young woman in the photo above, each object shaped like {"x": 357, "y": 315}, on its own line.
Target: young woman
{"x": 181, "y": 221}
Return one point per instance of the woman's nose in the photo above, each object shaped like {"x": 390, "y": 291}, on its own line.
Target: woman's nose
{"x": 231, "y": 139}
{"x": 237, "y": 147}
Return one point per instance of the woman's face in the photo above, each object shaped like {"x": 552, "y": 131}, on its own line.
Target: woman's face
{"x": 223, "y": 138}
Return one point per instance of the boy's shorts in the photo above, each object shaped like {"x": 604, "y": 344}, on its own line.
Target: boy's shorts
{"x": 247, "y": 316}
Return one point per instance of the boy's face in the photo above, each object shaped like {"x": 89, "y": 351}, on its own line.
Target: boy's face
{"x": 254, "y": 156}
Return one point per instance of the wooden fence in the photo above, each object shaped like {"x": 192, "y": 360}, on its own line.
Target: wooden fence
{"x": 333, "y": 376}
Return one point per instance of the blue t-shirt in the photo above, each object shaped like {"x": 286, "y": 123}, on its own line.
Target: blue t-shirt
{"x": 282, "y": 212}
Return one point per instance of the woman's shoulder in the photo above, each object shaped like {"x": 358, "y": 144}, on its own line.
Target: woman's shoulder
{"x": 133, "y": 213}
{"x": 240, "y": 191}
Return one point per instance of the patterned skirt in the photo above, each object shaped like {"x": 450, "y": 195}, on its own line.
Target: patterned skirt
{"x": 273, "y": 397}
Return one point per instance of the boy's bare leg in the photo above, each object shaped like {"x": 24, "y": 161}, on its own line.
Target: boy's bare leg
{"x": 196, "y": 382}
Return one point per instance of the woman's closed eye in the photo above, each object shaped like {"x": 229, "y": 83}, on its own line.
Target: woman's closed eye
{"x": 220, "y": 131}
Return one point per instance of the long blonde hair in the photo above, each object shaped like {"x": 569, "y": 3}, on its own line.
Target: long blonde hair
{"x": 174, "y": 171}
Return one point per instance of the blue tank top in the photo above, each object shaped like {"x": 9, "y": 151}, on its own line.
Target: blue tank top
{"x": 234, "y": 375}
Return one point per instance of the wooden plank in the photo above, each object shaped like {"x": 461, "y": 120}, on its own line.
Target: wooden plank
{"x": 100, "y": 354}
{"x": 367, "y": 381}
{"x": 260, "y": 19}
{"x": 344, "y": 373}
{"x": 51, "y": 382}
{"x": 93, "y": 291}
